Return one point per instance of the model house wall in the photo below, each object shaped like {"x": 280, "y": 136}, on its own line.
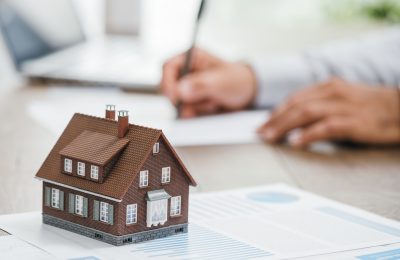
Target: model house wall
{"x": 89, "y": 212}
{"x": 116, "y": 186}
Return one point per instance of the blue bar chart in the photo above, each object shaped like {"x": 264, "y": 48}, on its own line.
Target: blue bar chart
{"x": 200, "y": 243}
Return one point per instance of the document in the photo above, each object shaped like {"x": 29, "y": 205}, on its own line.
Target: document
{"x": 12, "y": 247}
{"x": 150, "y": 111}
{"x": 266, "y": 222}
{"x": 385, "y": 252}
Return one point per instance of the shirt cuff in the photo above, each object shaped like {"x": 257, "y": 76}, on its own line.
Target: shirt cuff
{"x": 277, "y": 78}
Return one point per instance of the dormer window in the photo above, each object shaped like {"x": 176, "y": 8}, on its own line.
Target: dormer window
{"x": 156, "y": 148}
{"x": 81, "y": 169}
{"x": 94, "y": 155}
{"x": 166, "y": 175}
{"x": 68, "y": 165}
{"x": 94, "y": 172}
{"x": 144, "y": 178}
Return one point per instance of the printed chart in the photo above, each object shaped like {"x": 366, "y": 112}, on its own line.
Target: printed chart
{"x": 200, "y": 243}
{"x": 268, "y": 222}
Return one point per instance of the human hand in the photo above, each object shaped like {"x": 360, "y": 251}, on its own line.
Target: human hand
{"x": 337, "y": 110}
{"x": 212, "y": 86}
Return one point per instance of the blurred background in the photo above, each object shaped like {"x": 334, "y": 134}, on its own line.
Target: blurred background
{"x": 234, "y": 29}
{"x": 109, "y": 44}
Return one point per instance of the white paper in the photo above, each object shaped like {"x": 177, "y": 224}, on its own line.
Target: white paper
{"x": 385, "y": 252}
{"x": 12, "y": 247}
{"x": 58, "y": 107}
{"x": 267, "y": 222}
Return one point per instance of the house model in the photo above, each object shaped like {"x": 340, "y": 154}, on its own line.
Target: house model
{"x": 114, "y": 181}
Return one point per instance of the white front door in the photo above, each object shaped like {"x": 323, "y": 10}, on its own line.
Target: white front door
{"x": 156, "y": 212}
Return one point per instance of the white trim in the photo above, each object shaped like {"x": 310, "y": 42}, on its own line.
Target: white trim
{"x": 94, "y": 172}
{"x": 80, "y": 169}
{"x": 103, "y": 211}
{"x": 176, "y": 206}
{"x": 156, "y": 148}
{"x": 144, "y": 178}
{"x": 77, "y": 189}
{"x": 131, "y": 214}
{"x": 166, "y": 175}
{"x": 78, "y": 205}
{"x": 157, "y": 212}
{"x": 55, "y": 198}
{"x": 67, "y": 165}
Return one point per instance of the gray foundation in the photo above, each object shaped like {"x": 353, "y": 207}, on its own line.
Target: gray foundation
{"x": 115, "y": 240}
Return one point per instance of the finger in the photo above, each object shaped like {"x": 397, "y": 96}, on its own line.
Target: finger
{"x": 170, "y": 77}
{"x": 206, "y": 108}
{"x": 171, "y": 74}
{"x": 326, "y": 90}
{"x": 300, "y": 116}
{"x": 187, "y": 111}
{"x": 332, "y": 128}
{"x": 198, "y": 86}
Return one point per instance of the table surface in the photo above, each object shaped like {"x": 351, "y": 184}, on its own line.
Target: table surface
{"x": 365, "y": 177}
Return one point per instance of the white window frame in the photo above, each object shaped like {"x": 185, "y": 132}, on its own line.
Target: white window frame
{"x": 81, "y": 169}
{"x": 68, "y": 165}
{"x": 55, "y": 198}
{"x": 78, "y": 205}
{"x": 176, "y": 206}
{"x": 144, "y": 178}
{"x": 131, "y": 214}
{"x": 104, "y": 208}
{"x": 166, "y": 175}
{"x": 156, "y": 148}
{"x": 94, "y": 172}
{"x": 157, "y": 212}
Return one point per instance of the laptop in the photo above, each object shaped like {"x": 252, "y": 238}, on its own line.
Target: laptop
{"x": 45, "y": 40}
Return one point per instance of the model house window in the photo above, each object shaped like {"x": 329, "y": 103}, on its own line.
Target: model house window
{"x": 131, "y": 214}
{"x": 104, "y": 212}
{"x": 166, "y": 175}
{"x": 156, "y": 148}
{"x": 68, "y": 165}
{"x": 55, "y": 198}
{"x": 157, "y": 212}
{"x": 94, "y": 172}
{"x": 176, "y": 206}
{"x": 81, "y": 168}
{"x": 144, "y": 178}
{"x": 79, "y": 205}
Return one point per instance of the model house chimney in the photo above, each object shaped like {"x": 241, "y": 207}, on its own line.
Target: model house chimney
{"x": 110, "y": 112}
{"x": 123, "y": 123}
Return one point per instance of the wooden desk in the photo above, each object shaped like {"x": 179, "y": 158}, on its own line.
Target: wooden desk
{"x": 368, "y": 178}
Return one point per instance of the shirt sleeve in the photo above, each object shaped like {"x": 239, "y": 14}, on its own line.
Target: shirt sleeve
{"x": 373, "y": 60}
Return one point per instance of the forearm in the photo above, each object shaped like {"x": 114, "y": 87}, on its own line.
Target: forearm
{"x": 373, "y": 61}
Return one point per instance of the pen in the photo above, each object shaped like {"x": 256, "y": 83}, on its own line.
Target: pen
{"x": 188, "y": 57}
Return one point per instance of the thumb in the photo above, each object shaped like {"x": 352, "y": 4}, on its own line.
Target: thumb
{"x": 194, "y": 87}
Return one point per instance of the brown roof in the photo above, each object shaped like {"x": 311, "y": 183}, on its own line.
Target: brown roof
{"x": 93, "y": 147}
{"x": 141, "y": 140}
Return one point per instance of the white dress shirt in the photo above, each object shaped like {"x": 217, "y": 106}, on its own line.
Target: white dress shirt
{"x": 373, "y": 60}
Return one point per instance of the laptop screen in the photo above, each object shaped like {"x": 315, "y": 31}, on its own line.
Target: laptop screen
{"x": 32, "y": 29}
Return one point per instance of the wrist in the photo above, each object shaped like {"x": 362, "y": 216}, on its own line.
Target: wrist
{"x": 250, "y": 80}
